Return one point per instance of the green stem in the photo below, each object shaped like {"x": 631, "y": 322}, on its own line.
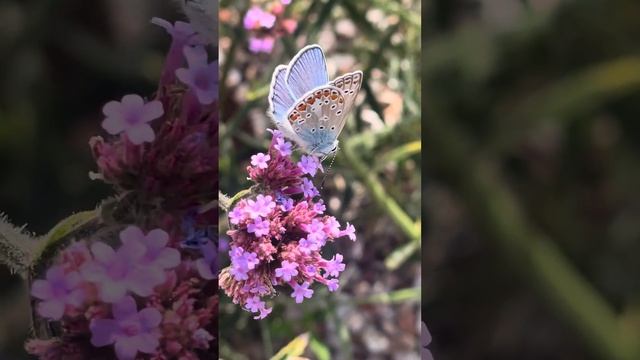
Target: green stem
{"x": 226, "y": 203}
{"x": 535, "y": 257}
{"x": 382, "y": 199}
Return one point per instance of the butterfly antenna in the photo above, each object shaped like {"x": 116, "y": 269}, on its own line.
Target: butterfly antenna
{"x": 328, "y": 169}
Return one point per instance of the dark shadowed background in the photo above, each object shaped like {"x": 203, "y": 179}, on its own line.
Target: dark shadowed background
{"x": 531, "y": 129}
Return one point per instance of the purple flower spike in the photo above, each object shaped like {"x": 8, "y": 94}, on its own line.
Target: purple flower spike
{"x": 131, "y": 331}
{"x": 284, "y": 147}
{"x": 200, "y": 76}
{"x": 58, "y": 291}
{"x": 157, "y": 254}
{"x": 260, "y": 160}
{"x": 131, "y": 116}
{"x": 287, "y": 271}
{"x": 301, "y": 291}
{"x": 309, "y": 189}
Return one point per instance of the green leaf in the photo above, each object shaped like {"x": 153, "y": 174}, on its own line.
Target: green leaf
{"x": 293, "y": 349}
{"x": 320, "y": 350}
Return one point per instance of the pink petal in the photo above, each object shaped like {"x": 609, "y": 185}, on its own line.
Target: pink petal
{"x": 147, "y": 343}
{"x": 41, "y": 289}
{"x": 152, "y": 110}
{"x": 150, "y": 318}
{"x": 126, "y": 348}
{"x": 168, "y": 258}
{"x": 114, "y": 124}
{"x": 132, "y": 101}
{"x": 132, "y": 251}
{"x": 206, "y": 97}
{"x": 102, "y": 331}
{"x": 76, "y": 297}
{"x": 140, "y": 133}
{"x": 157, "y": 238}
{"x": 55, "y": 273}
{"x": 162, "y": 23}
{"x": 143, "y": 279}
{"x": 131, "y": 233}
{"x": 124, "y": 308}
{"x": 204, "y": 269}
{"x": 185, "y": 76}
{"x": 112, "y": 109}
{"x": 103, "y": 252}
{"x": 52, "y": 309}
{"x": 93, "y": 272}
{"x": 73, "y": 279}
{"x": 195, "y": 55}
{"x": 112, "y": 291}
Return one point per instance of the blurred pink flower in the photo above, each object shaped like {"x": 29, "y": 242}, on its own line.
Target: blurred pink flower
{"x": 200, "y": 76}
{"x": 131, "y": 116}
{"x": 256, "y": 18}
{"x": 156, "y": 254}
{"x": 58, "y": 291}
{"x": 114, "y": 273}
{"x": 131, "y": 331}
{"x": 264, "y": 44}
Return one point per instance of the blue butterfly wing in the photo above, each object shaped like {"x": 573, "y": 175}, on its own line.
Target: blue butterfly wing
{"x": 349, "y": 85}
{"x": 306, "y": 71}
{"x": 315, "y": 118}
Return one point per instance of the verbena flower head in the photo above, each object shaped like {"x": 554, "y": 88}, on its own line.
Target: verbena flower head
{"x": 277, "y": 237}
{"x": 144, "y": 291}
{"x": 163, "y": 151}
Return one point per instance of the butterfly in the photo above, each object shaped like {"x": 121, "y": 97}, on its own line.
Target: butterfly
{"x": 203, "y": 16}
{"x": 307, "y": 107}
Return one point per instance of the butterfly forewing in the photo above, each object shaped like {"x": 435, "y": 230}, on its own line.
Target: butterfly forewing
{"x": 306, "y": 71}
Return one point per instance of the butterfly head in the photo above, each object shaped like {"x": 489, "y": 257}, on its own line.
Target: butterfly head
{"x": 327, "y": 151}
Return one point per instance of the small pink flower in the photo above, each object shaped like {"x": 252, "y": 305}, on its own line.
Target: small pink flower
{"x": 131, "y": 331}
{"x": 287, "y": 271}
{"x": 309, "y": 189}
{"x": 264, "y": 311}
{"x": 58, "y": 291}
{"x": 258, "y": 45}
{"x": 200, "y": 76}
{"x": 334, "y": 266}
{"x": 301, "y": 291}
{"x": 259, "y": 227}
{"x": 260, "y": 160}
{"x": 114, "y": 273}
{"x": 350, "y": 231}
{"x": 309, "y": 164}
{"x": 333, "y": 284}
{"x": 256, "y": 18}
{"x": 156, "y": 251}
{"x": 283, "y": 146}
{"x": 131, "y": 116}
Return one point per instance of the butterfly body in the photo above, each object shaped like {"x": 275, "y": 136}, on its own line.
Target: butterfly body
{"x": 307, "y": 107}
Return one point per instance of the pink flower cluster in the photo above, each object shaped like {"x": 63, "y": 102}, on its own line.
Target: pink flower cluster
{"x": 120, "y": 296}
{"x": 132, "y": 294}
{"x": 164, "y": 147}
{"x": 267, "y": 25}
{"x": 277, "y": 236}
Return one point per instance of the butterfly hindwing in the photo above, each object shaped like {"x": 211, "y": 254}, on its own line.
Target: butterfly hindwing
{"x": 306, "y": 71}
{"x": 349, "y": 84}
{"x": 315, "y": 116}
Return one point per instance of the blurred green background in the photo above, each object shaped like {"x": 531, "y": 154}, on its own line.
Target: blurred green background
{"x": 531, "y": 131}
{"x": 60, "y": 62}
{"x": 374, "y": 182}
